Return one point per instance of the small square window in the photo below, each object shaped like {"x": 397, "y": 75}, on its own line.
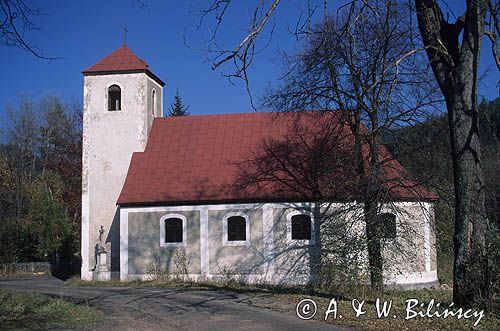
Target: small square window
{"x": 173, "y": 230}
{"x": 301, "y": 227}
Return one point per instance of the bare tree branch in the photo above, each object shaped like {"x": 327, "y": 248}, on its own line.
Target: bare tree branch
{"x": 16, "y": 17}
{"x": 249, "y": 40}
{"x": 494, "y": 32}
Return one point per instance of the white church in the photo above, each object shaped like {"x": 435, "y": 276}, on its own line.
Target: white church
{"x": 155, "y": 187}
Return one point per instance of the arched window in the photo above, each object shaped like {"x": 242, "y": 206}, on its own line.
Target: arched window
{"x": 153, "y": 102}
{"x": 301, "y": 227}
{"x": 114, "y": 98}
{"x": 236, "y": 229}
{"x": 387, "y": 223}
{"x": 173, "y": 230}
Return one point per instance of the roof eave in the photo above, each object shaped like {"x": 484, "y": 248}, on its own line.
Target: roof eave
{"x": 118, "y": 72}
{"x": 243, "y": 201}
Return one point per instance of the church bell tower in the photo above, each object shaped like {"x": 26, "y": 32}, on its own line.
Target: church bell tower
{"x": 121, "y": 97}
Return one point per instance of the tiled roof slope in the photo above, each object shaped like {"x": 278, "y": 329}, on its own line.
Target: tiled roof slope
{"x": 121, "y": 59}
{"x": 212, "y": 159}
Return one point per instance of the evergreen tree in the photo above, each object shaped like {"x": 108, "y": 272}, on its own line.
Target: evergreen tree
{"x": 178, "y": 108}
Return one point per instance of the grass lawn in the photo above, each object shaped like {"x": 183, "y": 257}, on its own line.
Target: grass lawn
{"x": 285, "y": 300}
{"x": 35, "y": 311}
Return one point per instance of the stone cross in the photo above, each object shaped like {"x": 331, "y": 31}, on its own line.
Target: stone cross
{"x": 101, "y": 232}
{"x": 125, "y": 30}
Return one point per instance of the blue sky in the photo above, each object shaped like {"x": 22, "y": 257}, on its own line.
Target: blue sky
{"x": 83, "y": 32}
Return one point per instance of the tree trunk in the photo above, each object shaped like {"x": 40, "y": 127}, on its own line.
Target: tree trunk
{"x": 315, "y": 250}
{"x": 455, "y": 67}
{"x": 470, "y": 272}
{"x": 373, "y": 244}
{"x": 371, "y": 194}
{"x": 369, "y": 180}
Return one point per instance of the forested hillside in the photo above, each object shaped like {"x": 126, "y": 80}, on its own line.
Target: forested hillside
{"x": 40, "y": 182}
{"x": 431, "y": 165}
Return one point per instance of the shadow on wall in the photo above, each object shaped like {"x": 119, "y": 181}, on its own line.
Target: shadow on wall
{"x": 113, "y": 239}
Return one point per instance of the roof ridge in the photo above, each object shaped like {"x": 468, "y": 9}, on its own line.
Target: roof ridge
{"x": 250, "y": 113}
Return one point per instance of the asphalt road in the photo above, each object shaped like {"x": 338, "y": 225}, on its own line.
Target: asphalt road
{"x": 170, "y": 309}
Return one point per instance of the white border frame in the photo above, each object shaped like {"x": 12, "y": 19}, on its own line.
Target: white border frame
{"x": 106, "y": 97}
{"x": 289, "y": 239}
{"x": 162, "y": 231}
{"x": 225, "y": 241}
{"x": 159, "y": 96}
{"x": 123, "y": 244}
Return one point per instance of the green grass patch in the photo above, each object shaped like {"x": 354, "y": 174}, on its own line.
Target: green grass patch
{"x": 35, "y": 311}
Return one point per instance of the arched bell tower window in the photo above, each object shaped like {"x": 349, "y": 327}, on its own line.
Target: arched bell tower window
{"x": 114, "y": 98}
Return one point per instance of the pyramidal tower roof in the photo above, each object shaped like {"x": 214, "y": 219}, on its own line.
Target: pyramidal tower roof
{"x": 122, "y": 60}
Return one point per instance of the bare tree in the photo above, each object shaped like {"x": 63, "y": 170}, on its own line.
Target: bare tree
{"x": 21, "y": 148}
{"x": 314, "y": 160}
{"x": 311, "y": 162}
{"x": 368, "y": 66}
{"x": 16, "y": 18}
{"x": 455, "y": 64}
{"x": 365, "y": 65}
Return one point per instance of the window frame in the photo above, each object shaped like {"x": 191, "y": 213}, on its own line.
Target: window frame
{"x": 106, "y": 99}
{"x": 109, "y": 104}
{"x": 163, "y": 231}
{"x": 289, "y": 216}
{"x": 225, "y": 241}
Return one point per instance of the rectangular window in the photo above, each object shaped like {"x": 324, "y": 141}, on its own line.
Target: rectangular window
{"x": 387, "y": 225}
{"x": 301, "y": 227}
{"x": 236, "y": 228}
{"x": 173, "y": 230}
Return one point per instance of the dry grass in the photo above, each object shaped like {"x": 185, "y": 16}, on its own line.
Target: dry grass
{"x": 35, "y": 311}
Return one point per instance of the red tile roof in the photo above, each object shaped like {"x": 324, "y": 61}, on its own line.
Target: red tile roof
{"x": 120, "y": 60}
{"x": 211, "y": 159}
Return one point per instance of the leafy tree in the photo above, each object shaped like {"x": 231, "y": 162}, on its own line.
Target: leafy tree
{"x": 48, "y": 217}
{"x": 40, "y": 182}
{"x": 61, "y": 148}
{"x": 178, "y": 108}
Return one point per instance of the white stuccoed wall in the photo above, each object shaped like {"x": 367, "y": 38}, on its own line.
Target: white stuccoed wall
{"x": 413, "y": 266}
{"x": 109, "y": 139}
